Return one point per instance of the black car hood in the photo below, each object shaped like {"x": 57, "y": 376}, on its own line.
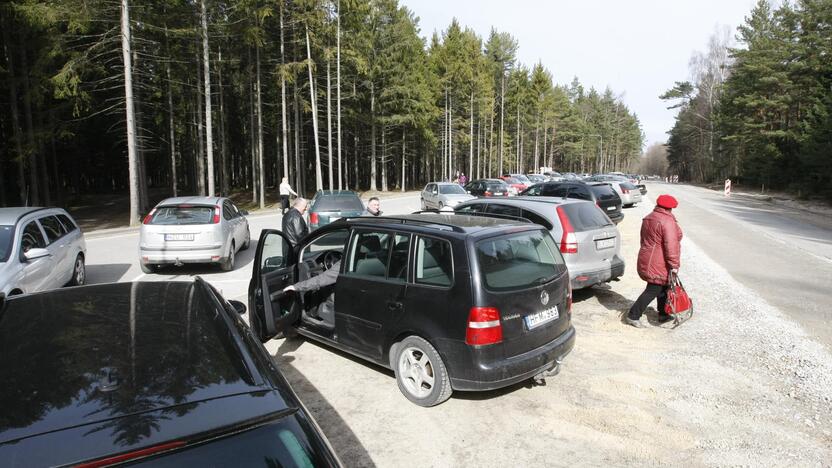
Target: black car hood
{"x": 83, "y": 355}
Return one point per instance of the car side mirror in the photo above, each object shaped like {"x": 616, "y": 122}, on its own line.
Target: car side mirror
{"x": 34, "y": 254}
{"x": 244, "y": 212}
{"x": 238, "y": 306}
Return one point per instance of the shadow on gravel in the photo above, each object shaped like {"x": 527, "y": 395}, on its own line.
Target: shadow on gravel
{"x": 346, "y": 445}
{"x": 106, "y": 273}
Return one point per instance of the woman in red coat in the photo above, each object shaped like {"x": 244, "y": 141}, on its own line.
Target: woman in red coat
{"x": 661, "y": 239}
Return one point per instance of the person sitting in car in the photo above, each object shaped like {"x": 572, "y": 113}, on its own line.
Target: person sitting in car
{"x": 326, "y": 311}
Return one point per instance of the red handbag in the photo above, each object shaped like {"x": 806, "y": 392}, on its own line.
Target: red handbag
{"x": 678, "y": 305}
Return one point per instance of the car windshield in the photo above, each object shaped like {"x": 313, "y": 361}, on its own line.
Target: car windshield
{"x": 518, "y": 261}
{"x": 451, "y": 190}
{"x": 347, "y": 202}
{"x": 6, "y": 236}
{"x": 182, "y": 214}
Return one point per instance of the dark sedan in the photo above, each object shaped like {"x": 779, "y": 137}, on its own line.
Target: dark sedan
{"x": 165, "y": 373}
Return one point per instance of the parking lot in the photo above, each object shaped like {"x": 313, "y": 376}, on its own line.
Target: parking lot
{"x": 741, "y": 383}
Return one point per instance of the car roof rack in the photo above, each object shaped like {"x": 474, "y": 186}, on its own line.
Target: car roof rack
{"x": 480, "y": 213}
{"x": 399, "y": 220}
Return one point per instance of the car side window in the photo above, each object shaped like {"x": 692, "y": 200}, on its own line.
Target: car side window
{"x": 553, "y": 191}
{"x": 335, "y": 240}
{"x": 67, "y": 222}
{"x": 369, "y": 254}
{"x": 537, "y": 219}
{"x": 398, "y": 258}
{"x": 434, "y": 262}
{"x": 53, "y": 228}
{"x": 534, "y": 190}
{"x": 31, "y": 238}
{"x": 227, "y": 210}
{"x": 581, "y": 193}
{"x": 503, "y": 209}
{"x": 472, "y": 208}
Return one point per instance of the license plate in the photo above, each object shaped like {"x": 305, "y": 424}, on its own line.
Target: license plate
{"x": 539, "y": 318}
{"x": 498, "y": 194}
{"x": 179, "y": 237}
{"x": 601, "y": 244}
{"x": 611, "y": 208}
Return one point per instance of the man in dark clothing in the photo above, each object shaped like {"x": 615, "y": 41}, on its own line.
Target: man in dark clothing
{"x": 294, "y": 227}
{"x": 326, "y": 311}
{"x": 658, "y": 257}
{"x": 373, "y": 207}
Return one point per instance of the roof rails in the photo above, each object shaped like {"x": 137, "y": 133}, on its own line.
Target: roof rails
{"x": 398, "y": 220}
{"x": 479, "y": 213}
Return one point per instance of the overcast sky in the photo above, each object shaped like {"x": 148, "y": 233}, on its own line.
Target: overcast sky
{"x": 636, "y": 47}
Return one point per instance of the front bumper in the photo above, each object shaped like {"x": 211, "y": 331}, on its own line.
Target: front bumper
{"x": 585, "y": 279}
{"x": 518, "y": 368}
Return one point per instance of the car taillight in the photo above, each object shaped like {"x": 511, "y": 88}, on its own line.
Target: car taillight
{"x": 216, "y": 219}
{"x": 623, "y": 190}
{"x": 484, "y": 326}
{"x": 141, "y": 453}
{"x": 488, "y": 194}
{"x": 149, "y": 216}
{"x": 568, "y": 241}
{"x": 313, "y": 218}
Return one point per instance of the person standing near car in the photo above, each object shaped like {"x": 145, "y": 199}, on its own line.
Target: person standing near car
{"x": 373, "y": 207}
{"x": 285, "y": 191}
{"x": 658, "y": 257}
{"x": 294, "y": 226}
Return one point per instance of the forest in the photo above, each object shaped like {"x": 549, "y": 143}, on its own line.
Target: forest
{"x": 760, "y": 111}
{"x": 185, "y": 97}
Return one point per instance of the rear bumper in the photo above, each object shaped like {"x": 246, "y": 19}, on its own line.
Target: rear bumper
{"x": 207, "y": 254}
{"x": 585, "y": 279}
{"x": 518, "y": 368}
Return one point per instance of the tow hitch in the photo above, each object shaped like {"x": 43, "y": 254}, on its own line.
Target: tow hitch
{"x": 540, "y": 379}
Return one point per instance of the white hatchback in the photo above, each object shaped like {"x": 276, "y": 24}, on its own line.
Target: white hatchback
{"x": 40, "y": 249}
{"x": 193, "y": 230}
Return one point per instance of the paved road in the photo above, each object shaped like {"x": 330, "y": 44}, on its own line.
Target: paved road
{"x": 783, "y": 254}
{"x": 114, "y": 257}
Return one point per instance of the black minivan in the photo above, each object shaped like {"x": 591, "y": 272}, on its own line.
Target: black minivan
{"x": 447, "y": 301}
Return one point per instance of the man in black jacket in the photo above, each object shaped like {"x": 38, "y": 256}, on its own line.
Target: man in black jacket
{"x": 294, "y": 227}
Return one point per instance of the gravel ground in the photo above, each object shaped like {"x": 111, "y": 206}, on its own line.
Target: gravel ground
{"x": 739, "y": 384}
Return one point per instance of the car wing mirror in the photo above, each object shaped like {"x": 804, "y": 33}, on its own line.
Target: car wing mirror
{"x": 238, "y": 306}
{"x": 34, "y": 254}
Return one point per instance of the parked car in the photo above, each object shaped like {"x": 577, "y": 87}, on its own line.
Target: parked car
{"x": 437, "y": 195}
{"x": 193, "y": 230}
{"x": 448, "y": 302}
{"x": 553, "y": 176}
{"x": 589, "y": 242}
{"x": 602, "y": 193}
{"x": 330, "y": 205}
{"x": 487, "y": 188}
{"x": 164, "y": 373}
{"x": 629, "y": 193}
{"x": 537, "y": 178}
{"x": 516, "y": 184}
{"x": 40, "y": 249}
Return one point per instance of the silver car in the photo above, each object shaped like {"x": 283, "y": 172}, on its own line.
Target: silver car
{"x": 437, "y": 195}
{"x": 630, "y": 194}
{"x": 589, "y": 241}
{"x": 40, "y": 249}
{"x": 193, "y": 230}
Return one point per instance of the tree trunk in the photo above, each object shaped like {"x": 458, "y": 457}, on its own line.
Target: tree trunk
{"x": 338, "y": 87}
{"x": 383, "y": 160}
{"x": 16, "y": 132}
{"x": 404, "y": 151}
{"x": 34, "y": 170}
{"x": 536, "y": 144}
{"x": 471, "y": 135}
{"x": 209, "y": 140}
{"x": 490, "y": 146}
{"x": 319, "y": 183}
{"x": 299, "y": 181}
{"x": 502, "y": 120}
{"x": 260, "y": 171}
{"x": 445, "y": 139}
{"x": 131, "y": 124}
{"x": 224, "y": 170}
{"x": 172, "y": 134}
{"x": 451, "y": 167}
{"x": 283, "y": 120}
{"x": 329, "y": 123}
{"x": 372, "y": 138}
{"x": 200, "y": 161}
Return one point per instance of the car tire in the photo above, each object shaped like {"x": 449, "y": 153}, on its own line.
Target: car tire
{"x": 420, "y": 372}
{"x": 228, "y": 264}
{"x": 146, "y": 268}
{"x": 247, "y": 243}
{"x": 79, "y": 272}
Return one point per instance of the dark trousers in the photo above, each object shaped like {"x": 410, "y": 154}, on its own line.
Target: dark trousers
{"x": 652, "y": 291}
{"x": 284, "y": 203}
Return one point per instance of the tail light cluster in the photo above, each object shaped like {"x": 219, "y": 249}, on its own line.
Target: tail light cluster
{"x": 488, "y": 193}
{"x": 216, "y": 219}
{"x": 568, "y": 241}
{"x": 313, "y": 218}
{"x": 484, "y": 326}
{"x": 149, "y": 216}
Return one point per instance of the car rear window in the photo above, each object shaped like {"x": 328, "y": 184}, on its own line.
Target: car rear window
{"x": 518, "y": 261}
{"x": 6, "y": 236}
{"x": 183, "y": 214}
{"x": 495, "y": 186}
{"x": 586, "y": 216}
{"x": 628, "y": 186}
{"x": 452, "y": 190}
{"x": 337, "y": 203}
{"x": 603, "y": 192}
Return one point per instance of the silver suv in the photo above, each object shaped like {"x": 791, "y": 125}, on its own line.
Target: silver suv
{"x": 589, "y": 241}
{"x": 40, "y": 249}
{"x": 193, "y": 230}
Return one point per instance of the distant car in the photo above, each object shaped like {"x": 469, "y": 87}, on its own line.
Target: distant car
{"x": 589, "y": 242}
{"x": 629, "y": 193}
{"x": 330, "y": 205}
{"x": 447, "y": 301}
{"x": 602, "y": 193}
{"x": 488, "y": 188}
{"x": 40, "y": 249}
{"x": 162, "y": 373}
{"x": 537, "y": 178}
{"x": 437, "y": 195}
{"x": 193, "y": 230}
{"x": 515, "y": 185}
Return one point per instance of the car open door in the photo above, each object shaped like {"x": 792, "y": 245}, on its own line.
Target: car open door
{"x": 271, "y": 311}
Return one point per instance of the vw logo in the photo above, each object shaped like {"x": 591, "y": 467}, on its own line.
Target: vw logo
{"x": 544, "y": 297}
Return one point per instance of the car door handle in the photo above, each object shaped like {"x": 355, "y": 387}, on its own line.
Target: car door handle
{"x": 394, "y": 306}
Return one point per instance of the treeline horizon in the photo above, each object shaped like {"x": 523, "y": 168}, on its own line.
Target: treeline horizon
{"x": 109, "y": 96}
{"x": 761, "y": 112}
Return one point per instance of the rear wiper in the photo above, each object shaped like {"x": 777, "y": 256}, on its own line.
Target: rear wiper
{"x": 543, "y": 279}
